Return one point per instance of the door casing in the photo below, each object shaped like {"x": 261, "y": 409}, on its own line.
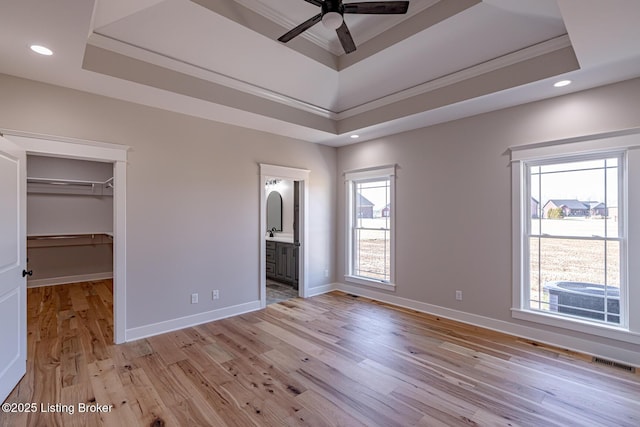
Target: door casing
{"x": 46, "y": 145}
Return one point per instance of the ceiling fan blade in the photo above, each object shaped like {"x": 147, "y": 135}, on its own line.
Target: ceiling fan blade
{"x": 301, "y": 28}
{"x": 315, "y": 2}
{"x": 378, "y": 7}
{"x": 344, "y": 35}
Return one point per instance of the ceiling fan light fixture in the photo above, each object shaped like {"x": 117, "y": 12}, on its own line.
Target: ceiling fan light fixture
{"x": 332, "y": 20}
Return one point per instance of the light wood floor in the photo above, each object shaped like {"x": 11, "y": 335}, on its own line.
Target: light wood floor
{"x": 332, "y": 360}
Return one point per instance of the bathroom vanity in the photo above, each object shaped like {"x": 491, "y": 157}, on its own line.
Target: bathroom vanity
{"x": 281, "y": 262}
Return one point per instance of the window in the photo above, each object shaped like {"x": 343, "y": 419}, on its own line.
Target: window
{"x": 574, "y": 237}
{"x": 370, "y": 227}
{"x": 574, "y": 231}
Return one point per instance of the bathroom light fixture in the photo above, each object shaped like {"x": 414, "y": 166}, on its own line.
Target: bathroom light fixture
{"x": 41, "y": 50}
{"x": 562, "y": 83}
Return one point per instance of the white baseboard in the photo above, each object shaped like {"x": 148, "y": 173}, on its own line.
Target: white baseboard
{"x": 188, "y": 321}
{"x": 319, "y": 290}
{"x": 546, "y": 337}
{"x": 63, "y": 280}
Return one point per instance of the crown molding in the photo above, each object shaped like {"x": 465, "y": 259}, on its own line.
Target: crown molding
{"x": 178, "y": 65}
{"x": 175, "y": 64}
{"x": 530, "y": 52}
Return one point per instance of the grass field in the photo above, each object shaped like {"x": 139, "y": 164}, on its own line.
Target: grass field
{"x": 574, "y": 261}
{"x": 374, "y": 260}
{"x": 551, "y": 259}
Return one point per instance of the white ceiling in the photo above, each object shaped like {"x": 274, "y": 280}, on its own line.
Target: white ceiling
{"x": 220, "y": 60}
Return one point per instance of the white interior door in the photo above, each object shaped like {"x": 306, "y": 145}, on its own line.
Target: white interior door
{"x": 13, "y": 303}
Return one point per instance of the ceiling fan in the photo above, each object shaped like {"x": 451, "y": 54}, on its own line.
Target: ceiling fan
{"x": 332, "y": 16}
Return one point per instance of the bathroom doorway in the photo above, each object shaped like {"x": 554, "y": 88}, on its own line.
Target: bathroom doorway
{"x": 283, "y": 260}
{"x": 282, "y": 239}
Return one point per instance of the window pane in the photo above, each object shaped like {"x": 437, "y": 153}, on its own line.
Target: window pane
{"x": 575, "y": 166}
{"x": 571, "y": 277}
{"x": 372, "y": 199}
{"x": 589, "y": 301}
{"x": 613, "y": 264}
{"x": 572, "y": 260}
{"x": 573, "y": 227}
{"x": 535, "y": 288}
{"x": 372, "y": 254}
{"x": 575, "y": 198}
{"x": 609, "y": 212}
{"x": 535, "y": 208}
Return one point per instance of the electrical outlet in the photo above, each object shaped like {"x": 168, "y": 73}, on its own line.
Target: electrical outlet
{"x": 215, "y": 294}
{"x": 459, "y": 295}
{"x": 326, "y": 273}
{"x": 194, "y": 298}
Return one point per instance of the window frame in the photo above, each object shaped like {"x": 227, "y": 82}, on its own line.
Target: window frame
{"x": 351, "y": 178}
{"x": 598, "y": 146}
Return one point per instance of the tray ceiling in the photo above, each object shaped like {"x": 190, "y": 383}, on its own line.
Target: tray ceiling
{"x": 445, "y": 59}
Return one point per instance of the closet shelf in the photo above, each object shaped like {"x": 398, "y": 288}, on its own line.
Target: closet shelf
{"x": 70, "y": 186}
{"x": 48, "y": 241}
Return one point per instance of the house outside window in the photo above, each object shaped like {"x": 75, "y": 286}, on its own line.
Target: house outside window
{"x": 573, "y": 207}
{"x": 370, "y": 233}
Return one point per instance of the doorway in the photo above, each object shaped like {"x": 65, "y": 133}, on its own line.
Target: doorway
{"x": 116, "y": 155}
{"x": 282, "y": 239}
{"x": 283, "y": 232}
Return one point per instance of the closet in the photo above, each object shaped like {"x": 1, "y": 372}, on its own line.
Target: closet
{"x": 69, "y": 220}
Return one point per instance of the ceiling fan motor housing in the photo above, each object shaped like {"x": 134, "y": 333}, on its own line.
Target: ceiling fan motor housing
{"x": 332, "y": 6}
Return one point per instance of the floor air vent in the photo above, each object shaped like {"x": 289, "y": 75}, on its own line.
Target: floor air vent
{"x": 613, "y": 364}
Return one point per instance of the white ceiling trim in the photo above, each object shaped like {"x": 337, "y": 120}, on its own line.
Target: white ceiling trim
{"x": 468, "y": 73}
{"x": 269, "y": 12}
{"x": 175, "y": 64}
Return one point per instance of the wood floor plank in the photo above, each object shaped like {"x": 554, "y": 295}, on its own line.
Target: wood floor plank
{"x": 329, "y": 412}
{"x": 330, "y": 360}
{"x": 229, "y": 407}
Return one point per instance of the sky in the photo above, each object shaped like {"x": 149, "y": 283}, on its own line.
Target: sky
{"x": 584, "y": 181}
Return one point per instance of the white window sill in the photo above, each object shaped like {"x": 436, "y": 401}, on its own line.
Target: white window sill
{"x": 608, "y": 331}
{"x": 371, "y": 283}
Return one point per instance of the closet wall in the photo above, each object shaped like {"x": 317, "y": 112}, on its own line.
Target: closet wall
{"x": 69, "y": 220}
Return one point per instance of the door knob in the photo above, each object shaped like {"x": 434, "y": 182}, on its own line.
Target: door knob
{"x": 27, "y": 273}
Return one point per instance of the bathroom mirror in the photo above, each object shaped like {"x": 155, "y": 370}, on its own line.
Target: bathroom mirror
{"x": 274, "y": 211}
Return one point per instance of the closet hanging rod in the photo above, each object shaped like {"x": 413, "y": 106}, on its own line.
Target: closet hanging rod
{"x": 54, "y": 181}
{"x": 63, "y": 236}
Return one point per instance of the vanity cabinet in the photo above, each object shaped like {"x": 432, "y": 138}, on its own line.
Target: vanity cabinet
{"x": 281, "y": 262}
{"x": 271, "y": 260}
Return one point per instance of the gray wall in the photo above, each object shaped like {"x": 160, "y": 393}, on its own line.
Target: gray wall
{"x": 453, "y": 187}
{"x": 192, "y": 195}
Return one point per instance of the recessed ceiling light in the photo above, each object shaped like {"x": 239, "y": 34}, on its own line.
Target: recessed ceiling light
{"x": 355, "y": 136}
{"x": 562, "y": 83}
{"x": 41, "y": 50}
